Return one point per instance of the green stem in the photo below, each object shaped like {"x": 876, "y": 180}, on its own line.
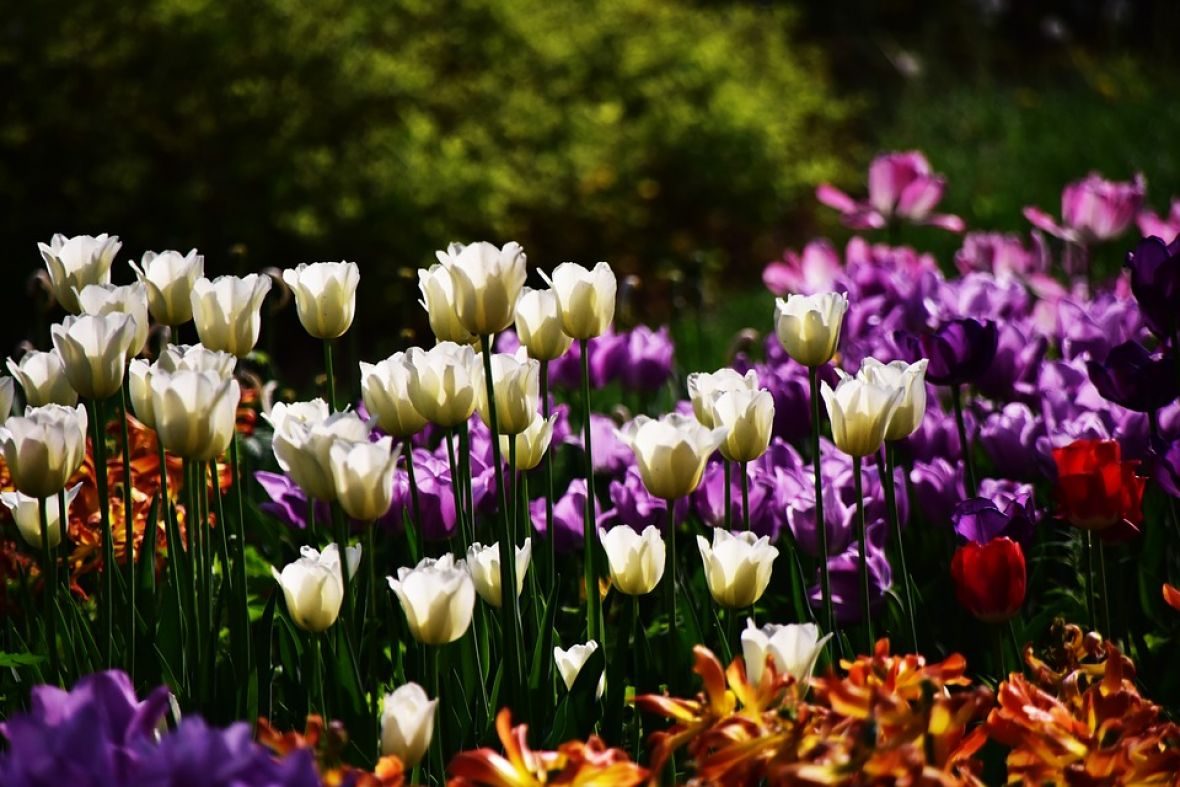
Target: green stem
{"x": 465, "y": 476}
{"x": 176, "y": 558}
{"x": 670, "y": 582}
{"x": 1100, "y": 553}
{"x": 1015, "y": 645}
{"x": 331, "y": 374}
{"x": 63, "y": 512}
{"x": 432, "y": 680}
{"x": 887, "y": 480}
{"x": 636, "y": 644}
{"x": 728, "y": 495}
{"x": 129, "y": 534}
{"x": 964, "y": 444}
{"x": 98, "y": 417}
{"x": 1088, "y": 548}
{"x": 593, "y": 604}
{"x": 745, "y": 494}
{"x": 863, "y": 554}
{"x": 456, "y": 491}
{"x": 240, "y": 551}
{"x": 341, "y": 526}
{"x": 415, "y": 505}
{"x": 49, "y": 593}
{"x": 821, "y": 526}
{"x": 550, "y": 536}
{"x": 997, "y": 633}
{"x": 510, "y": 609}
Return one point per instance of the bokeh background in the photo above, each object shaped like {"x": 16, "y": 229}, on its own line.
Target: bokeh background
{"x": 679, "y": 140}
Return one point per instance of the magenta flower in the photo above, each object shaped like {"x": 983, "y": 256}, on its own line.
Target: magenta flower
{"x": 1000, "y": 254}
{"x": 1165, "y": 227}
{"x": 1093, "y": 209}
{"x": 816, "y": 269}
{"x": 901, "y": 187}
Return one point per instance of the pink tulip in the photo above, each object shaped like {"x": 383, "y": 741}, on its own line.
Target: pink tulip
{"x": 814, "y": 270}
{"x": 901, "y": 186}
{"x": 1092, "y": 209}
{"x": 1166, "y": 228}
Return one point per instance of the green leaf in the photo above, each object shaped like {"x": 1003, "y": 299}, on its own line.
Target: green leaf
{"x": 19, "y": 660}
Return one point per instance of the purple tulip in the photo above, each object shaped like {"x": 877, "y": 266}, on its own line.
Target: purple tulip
{"x": 1000, "y": 254}
{"x": 568, "y": 516}
{"x": 611, "y": 455}
{"x": 844, "y": 570}
{"x": 634, "y": 506}
{"x": 1155, "y": 281}
{"x": 1001, "y": 509}
{"x": 960, "y": 351}
{"x": 608, "y": 356}
{"x": 1093, "y": 327}
{"x": 436, "y": 498}
{"x": 937, "y": 435}
{"x": 1009, "y": 437}
{"x": 839, "y": 517}
{"x": 1166, "y": 228}
{"x": 816, "y": 269}
{"x": 649, "y": 359}
{"x": 1164, "y": 465}
{"x": 789, "y": 387}
{"x": 1013, "y": 371}
{"x": 1093, "y": 209}
{"x": 198, "y": 755}
{"x": 288, "y": 503}
{"x": 901, "y": 186}
{"x": 766, "y": 519}
{"x": 938, "y": 487}
{"x": 984, "y": 297}
{"x": 1134, "y": 378}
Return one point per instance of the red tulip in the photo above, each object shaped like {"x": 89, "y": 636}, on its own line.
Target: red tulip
{"x": 990, "y": 579}
{"x": 1095, "y": 487}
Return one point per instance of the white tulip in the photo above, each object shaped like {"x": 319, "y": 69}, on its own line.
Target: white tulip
{"x": 26, "y": 512}
{"x": 636, "y": 560}
{"x": 910, "y": 378}
{"x": 407, "y": 724}
{"x": 362, "y": 474}
{"x": 130, "y": 299}
{"x": 42, "y": 377}
{"x": 44, "y": 447}
{"x": 325, "y": 296}
{"x": 303, "y": 448}
{"x": 808, "y": 326}
{"x": 139, "y": 386}
{"x": 705, "y": 387}
{"x": 860, "y": 412}
{"x": 737, "y": 566}
{"x": 313, "y": 587}
{"x": 169, "y": 278}
{"x": 747, "y": 417}
{"x": 385, "y": 388}
{"x": 227, "y": 311}
{"x": 794, "y": 648}
{"x": 194, "y": 413}
{"x": 75, "y": 262}
{"x": 438, "y": 299}
{"x": 586, "y": 298}
{"x": 7, "y": 394}
{"x": 570, "y": 663}
{"x": 517, "y": 383}
{"x": 197, "y": 358}
{"x": 441, "y": 385}
{"x": 538, "y": 325}
{"x": 532, "y": 443}
{"x": 94, "y": 351}
{"x": 483, "y": 564}
{"x": 486, "y": 282}
{"x": 437, "y": 597}
{"x": 307, "y": 413}
{"x": 671, "y": 452}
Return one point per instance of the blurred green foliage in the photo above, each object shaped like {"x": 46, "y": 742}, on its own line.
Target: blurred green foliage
{"x": 636, "y": 131}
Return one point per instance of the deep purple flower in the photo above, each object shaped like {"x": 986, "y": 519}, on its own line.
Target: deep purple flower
{"x": 1134, "y": 378}
{"x": 608, "y": 355}
{"x": 288, "y": 503}
{"x": 1155, "y": 281}
{"x": 766, "y": 519}
{"x": 960, "y": 351}
{"x": 1164, "y": 464}
{"x": 197, "y": 755}
{"x": 649, "y": 359}
{"x": 436, "y": 498}
{"x": 844, "y": 570}
{"x": 634, "y": 506}
{"x": 1001, "y": 509}
{"x": 938, "y": 487}
{"x": 1093, "y": 209}
{"x": 790, "y": 389}
{"x": 1013, "y": 370}
{"x": 902, "y": 186}
{"x": 1009, "y": 437}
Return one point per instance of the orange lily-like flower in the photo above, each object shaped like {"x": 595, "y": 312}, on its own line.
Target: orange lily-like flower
{"x": 574, "y": 763}
{"x": 327, "y": 745}
{"x": 1172, "y": 596}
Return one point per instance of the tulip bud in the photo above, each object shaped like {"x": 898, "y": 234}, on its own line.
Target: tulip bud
{"x": 93, "y": 351}
{"x": 44, "y": 447}
{"x": 747, "y": 416}
{"x": 671, "y": 452}
{"x": 737, "y": 566}
{"x": 437, "y": 597}
{"x": 636, "y": 561}
{"x": 130, "y": 299}
{"x": 990, "y": 579}
{"x": 362, "y": 474}
{"x": 139, "y": 386}
{"x": 483, "y": 563}
{"x": 438, "y": 299}
{"x": 538, "y": 325}
{"x": 42, "y": 377}
{"x": 532, "y": 443}
{"x": 195, "y": 413}
{"x": 517, "y": 382}
{"x": 570, "y": 663}
{"x": 407, "y": 724}
{"x": 860, "y": 412}
{"x": 169, "y": 279}
{"x": 385, "y": 388}
{"x": 303, "y": 447}
{"x": 586, "y": 298}
{"x": 197, "y": 358}
{"x": 227, "y": 310}
{"x": 325, "y": 296}
{"x": 26, "y": 512}
{"x": 7, "y": 394}
{"x": 75, "y": 262}
{"x": 313, "y": 586}
{"x": 704, "y": 388}
{"x": 910, "y": 379}
{"x": 794, "y": 648}
{"x": 808, "y": 326}
{"x": 441, "y": 386}
{"x": 487, "y": 282}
